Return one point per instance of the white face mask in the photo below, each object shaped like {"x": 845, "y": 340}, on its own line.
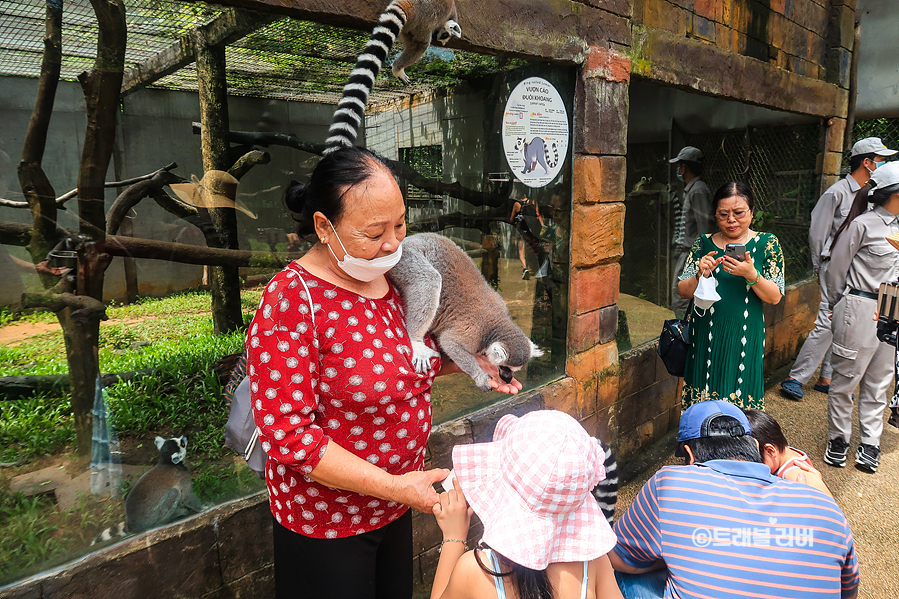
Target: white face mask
{"x": 706, "y": 294}
{"x": 362, "y": 269}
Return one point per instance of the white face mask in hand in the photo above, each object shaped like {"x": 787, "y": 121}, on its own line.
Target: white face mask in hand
{"x": 706, "y": 294}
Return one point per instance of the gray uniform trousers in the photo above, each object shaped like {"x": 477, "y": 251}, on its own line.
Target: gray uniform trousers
{"x": 817, "y": 345}
{"x": 859, "y": 358}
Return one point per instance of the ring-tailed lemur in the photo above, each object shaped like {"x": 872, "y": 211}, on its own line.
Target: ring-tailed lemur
{"x": 606, "y": 491}
{"x": 161, "y": 495}
{"x": 444, "y": 293}
{"x": 537, "y": 152}
{"x": 418, "y": 23}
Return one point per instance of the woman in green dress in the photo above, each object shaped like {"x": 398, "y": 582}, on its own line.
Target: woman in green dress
{"x": 728, "y": 339}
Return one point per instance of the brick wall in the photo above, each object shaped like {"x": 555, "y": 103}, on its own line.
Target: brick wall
{"x": 788, "y": 323}
{"x": 792, "y": 34}
{"x": 648, "y": 402}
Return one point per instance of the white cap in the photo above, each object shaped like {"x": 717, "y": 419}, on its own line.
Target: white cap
{"x": 688, "y": 154}
{"x": 872, "y": 145}
{"x": 886, "y": 175}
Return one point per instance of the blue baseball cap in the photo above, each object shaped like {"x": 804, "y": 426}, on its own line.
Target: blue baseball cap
{"x": 696, "y": 420}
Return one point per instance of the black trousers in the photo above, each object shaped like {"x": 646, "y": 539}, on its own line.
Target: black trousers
{"x": 373, "y": 565}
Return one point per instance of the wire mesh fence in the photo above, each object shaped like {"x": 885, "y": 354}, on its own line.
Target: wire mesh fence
{"x": 777, "y": 162}
{"x": 779, "y": 165}
{"x": 886, "y": 129}
{"x": 287, "y": 59}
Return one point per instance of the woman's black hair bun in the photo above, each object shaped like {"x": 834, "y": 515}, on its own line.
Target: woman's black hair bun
{"x": 295, "y": 196}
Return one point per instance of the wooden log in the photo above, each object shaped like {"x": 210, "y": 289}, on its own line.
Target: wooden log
{"x": 23, "y": 386}
{"x": 36, "y": 187}
{"x": 135, "y": 247}
{"x": 212, "y": 81}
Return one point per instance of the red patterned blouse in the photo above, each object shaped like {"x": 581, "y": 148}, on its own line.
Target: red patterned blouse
{"x": 348, "y": 379}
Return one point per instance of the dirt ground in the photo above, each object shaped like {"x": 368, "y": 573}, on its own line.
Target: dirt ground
{"x": 870, "y": 501}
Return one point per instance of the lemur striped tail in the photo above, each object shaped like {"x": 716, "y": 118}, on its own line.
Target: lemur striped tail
{"x": 606, "y": 491}
{"x": 351, "y": 108}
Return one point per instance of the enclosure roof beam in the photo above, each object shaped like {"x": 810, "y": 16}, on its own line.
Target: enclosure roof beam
{"x": 560, "y": 30}
{"x": 227, "y": 28}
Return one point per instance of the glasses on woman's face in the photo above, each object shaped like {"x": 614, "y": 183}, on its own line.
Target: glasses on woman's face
{"x": 736, "y": 214}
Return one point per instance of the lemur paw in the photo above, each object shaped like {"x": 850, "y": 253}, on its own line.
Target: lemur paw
{"x": 422, "y": 356}
{"x": 482, "y": 380}
{"x": 449, "y": 30}
{"x": 402, "y": 76}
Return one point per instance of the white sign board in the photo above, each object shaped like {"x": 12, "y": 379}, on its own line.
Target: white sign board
{"x": 535, "y": 132}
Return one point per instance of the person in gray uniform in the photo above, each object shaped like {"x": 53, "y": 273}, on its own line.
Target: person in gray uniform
{"x": 695, "y": 218}
{"x": 861, "y": 259}
{"x": 827, "y": 216}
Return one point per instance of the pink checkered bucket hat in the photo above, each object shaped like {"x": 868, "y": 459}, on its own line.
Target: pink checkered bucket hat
{"x": 531, "y": 487}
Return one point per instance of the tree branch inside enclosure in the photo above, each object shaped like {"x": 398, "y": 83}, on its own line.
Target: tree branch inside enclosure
{"x": 61, "y": 200}
{"x": 36, "y": 187}
{"x": 129, "y": 198}
{"x": 401, "y": 169}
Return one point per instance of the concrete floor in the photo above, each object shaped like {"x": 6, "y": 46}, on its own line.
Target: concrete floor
{"x": 870, "y": 501}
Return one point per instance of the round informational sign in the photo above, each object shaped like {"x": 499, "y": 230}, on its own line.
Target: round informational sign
{"x": 535, "y": 132}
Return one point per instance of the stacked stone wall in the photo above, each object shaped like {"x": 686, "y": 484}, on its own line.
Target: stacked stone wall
{"x": 795, "y": 35}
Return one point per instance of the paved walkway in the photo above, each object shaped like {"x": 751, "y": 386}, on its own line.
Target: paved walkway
{"x": 870, "y": 501}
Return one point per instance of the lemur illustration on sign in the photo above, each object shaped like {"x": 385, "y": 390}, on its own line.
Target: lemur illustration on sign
{"x": 537, "y": 152}
{"x": 444, "y": 293}
{"x": 418, "y": 23}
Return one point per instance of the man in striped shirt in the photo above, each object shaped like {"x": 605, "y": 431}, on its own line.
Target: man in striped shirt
{"x": 724, "y": 526}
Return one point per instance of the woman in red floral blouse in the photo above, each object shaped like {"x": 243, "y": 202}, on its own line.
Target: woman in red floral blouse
{"x": 342, "y": 413}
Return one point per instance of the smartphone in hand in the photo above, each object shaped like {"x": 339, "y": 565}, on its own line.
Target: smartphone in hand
{"x": 737, "y": 251}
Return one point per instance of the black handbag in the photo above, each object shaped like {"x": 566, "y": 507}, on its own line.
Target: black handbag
{"x": 674, "y": 343}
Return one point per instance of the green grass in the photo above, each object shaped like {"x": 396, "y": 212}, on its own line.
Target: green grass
{"x": 38, "y": 535}
{"x": 173, "y": 336}
{"x": 39, "y": 425}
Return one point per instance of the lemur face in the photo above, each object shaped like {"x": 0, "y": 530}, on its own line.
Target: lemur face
{"x": 449, "y": 30}
{"x": 175, "y": 448}
{"x": 508, "y": 366}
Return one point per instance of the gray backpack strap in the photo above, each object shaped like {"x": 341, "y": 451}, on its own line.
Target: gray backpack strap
{"x": 254, "y": 440}
{"x": 306, "y": 287}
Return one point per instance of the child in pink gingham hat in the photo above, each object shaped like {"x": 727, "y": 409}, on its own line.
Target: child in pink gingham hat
{"x": 544, "y": 533}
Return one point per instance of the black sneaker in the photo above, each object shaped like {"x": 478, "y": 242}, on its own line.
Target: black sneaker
{"x": 867, "y": 457}
{"x": 525, "y": 274}
{"x": 836, "y": 451}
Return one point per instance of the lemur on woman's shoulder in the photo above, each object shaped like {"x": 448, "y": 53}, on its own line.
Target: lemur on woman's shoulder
{"x": 444, "y": 292}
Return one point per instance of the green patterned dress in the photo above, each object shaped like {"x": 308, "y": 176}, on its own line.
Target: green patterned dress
{"x": 728, "y": 341}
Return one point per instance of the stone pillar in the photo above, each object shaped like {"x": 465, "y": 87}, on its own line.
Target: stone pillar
{"x": 840, "y": 41}
{"x": 597, "y": 231}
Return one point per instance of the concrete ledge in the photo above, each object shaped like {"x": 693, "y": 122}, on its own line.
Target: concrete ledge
{"x": 224, "y": 552}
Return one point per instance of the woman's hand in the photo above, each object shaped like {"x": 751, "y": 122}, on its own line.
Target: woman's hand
{"x": 745, "y": 269}
{"x": 416, "y": 489}
{"x": 453, "y": 515}
{"x": 512, "y": 387}
{"x": 708, "y": 263}
{"x": 450, "y": 367}
{"x": 495, "y": 382}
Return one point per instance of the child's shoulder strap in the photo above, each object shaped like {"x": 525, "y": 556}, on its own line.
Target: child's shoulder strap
{"x": 584, "y": 582}
{"x": 497, "y": 581}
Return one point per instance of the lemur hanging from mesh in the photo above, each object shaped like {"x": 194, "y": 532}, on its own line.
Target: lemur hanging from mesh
{"x": 418, "y": 23}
